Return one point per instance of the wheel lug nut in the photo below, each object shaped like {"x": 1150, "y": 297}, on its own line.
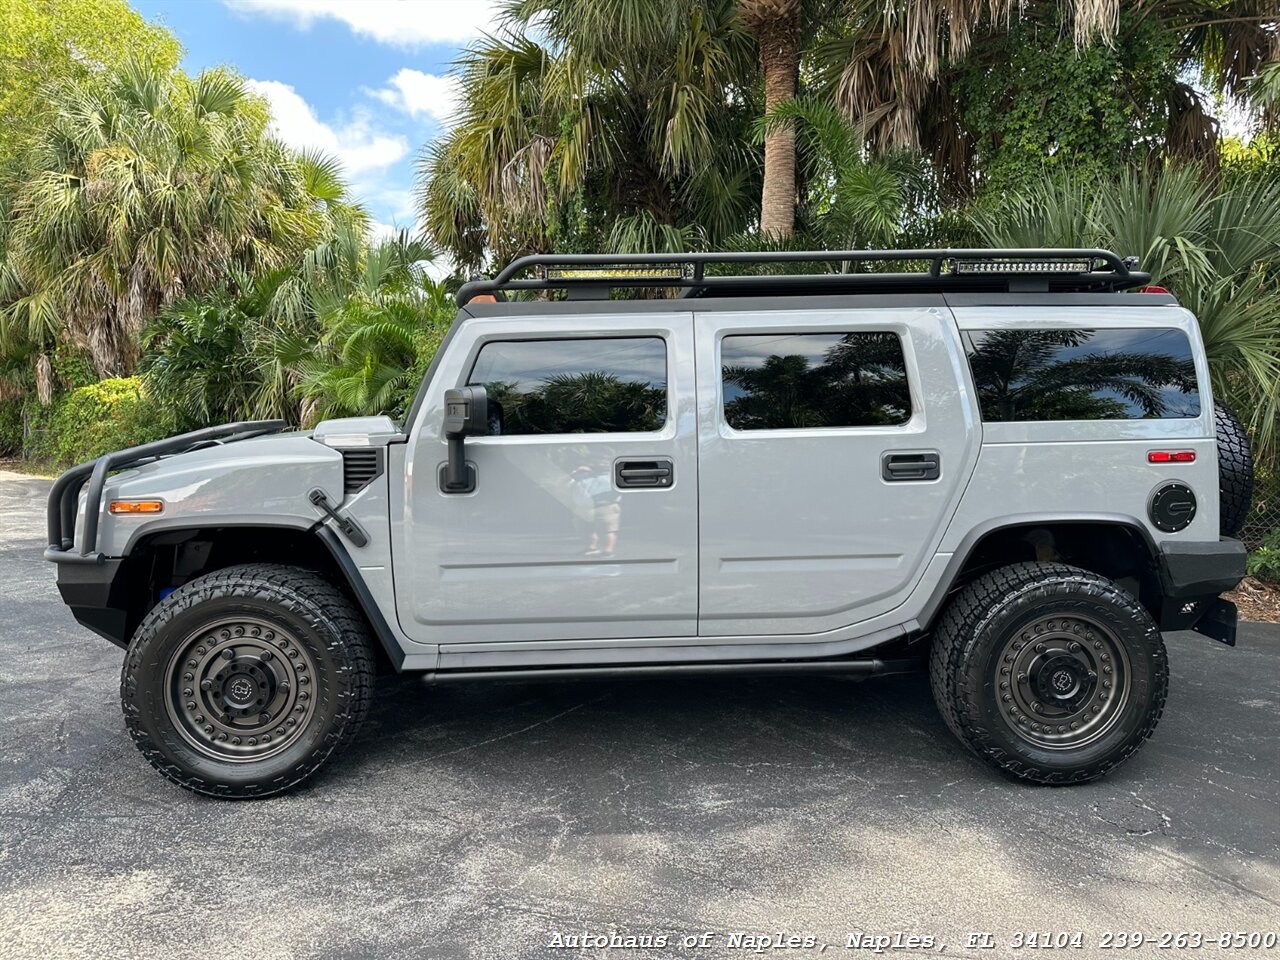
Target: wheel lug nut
{"x": 187, "y": 677}
{"x": 1092, "y": 675}
{"x": 191, "y": 705}
{"x": 199, "y": 718}
{"x": 266, "y": 738}
{"x": 266, "y": 655}
{"x": 1037, "y": 708}
{"x": 1073, "y": 647}
{"x": 1106, "y": 669}
{"x": 1007, "y": 699}
{"x": 208, "y": 728}
{"x": 1097, "y": 644}
{"x": 1075, "y": 724}
{"x": 1107, "y": 684}
{"x": 264, "y": 717}
{"x": 228, "y": 653}
{"x": 1004, "y": 684}
{"x": 200, "y": 650}
{"x": 304, "y": 679}
{"x": 1022, "y": 678}
{"x": 206, "y": 684}
{"x": 236, "y": 741}
{"x": 1040, "y": 648}
{"x": 304, "y": 695}
{"x": 253, "y": 741}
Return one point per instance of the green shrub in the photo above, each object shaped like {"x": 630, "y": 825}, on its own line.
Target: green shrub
{"x": 10, "y": 428}
{"x": 1264, "y": 563}
{"x": 90, "y": 421}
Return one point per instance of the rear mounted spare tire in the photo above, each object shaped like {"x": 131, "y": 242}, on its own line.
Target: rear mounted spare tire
{"x": 1235, "y": 470}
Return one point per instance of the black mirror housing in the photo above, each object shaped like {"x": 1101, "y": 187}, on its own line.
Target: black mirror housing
{"x": 466, "y": 412}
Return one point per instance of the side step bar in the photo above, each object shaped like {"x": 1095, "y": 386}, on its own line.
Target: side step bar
{"x": 855, "y": 667}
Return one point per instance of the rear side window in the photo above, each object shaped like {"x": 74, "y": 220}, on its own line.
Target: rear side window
{"x": 786, "y": 381}
{"x": 1135, "y": 374}
{"x": 591, "y": 385}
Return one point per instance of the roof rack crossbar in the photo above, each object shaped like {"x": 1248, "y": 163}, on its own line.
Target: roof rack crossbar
{"x": 1115, "y": 274}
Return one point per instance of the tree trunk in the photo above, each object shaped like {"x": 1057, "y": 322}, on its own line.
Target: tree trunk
{"x": 779, "y": 41}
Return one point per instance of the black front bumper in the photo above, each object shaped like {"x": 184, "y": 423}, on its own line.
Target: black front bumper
{"x": 95, "y": 592}
{"x": 1192, "y": 575}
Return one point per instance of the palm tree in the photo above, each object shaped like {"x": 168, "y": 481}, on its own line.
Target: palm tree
{"x": 378, "y": 330}
{"x": 148, "y": 187}
{"x": 776, "y": 26}
{"x": 622, "y": 119}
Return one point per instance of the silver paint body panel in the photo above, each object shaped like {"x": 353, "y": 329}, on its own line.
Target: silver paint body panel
{"x": 769, "y": 544}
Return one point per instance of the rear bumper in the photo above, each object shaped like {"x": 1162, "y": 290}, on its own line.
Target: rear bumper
{"x": 1192, "y": 575}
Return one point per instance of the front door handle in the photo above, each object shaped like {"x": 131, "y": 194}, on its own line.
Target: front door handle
{"x": 633, "y": 474}
{"x": 911, "y": 466}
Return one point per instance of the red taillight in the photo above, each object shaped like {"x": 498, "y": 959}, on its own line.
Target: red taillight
{"x": 1152, "y": 288}
{"x": 1171, "y": 456}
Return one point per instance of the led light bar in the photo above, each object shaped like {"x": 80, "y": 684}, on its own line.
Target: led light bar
{"x": 674, "y": 271}
{"x": 1021, "y": 266}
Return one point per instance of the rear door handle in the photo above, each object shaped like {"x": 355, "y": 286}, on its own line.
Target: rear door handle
{"x": 911, "y": 466}
{"x": 633, "y": 474}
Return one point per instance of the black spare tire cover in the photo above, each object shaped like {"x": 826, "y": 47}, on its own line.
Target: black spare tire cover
{"x": 1235, "y": 470}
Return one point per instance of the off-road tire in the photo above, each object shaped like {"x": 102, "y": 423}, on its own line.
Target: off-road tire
{"x": 1004, "y": 607}
{"x": 1235, "y": 470}
{"x": 332, "y": 640}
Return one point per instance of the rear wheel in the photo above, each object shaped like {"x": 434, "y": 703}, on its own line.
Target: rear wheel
{"x": 243, "y": 682}
{"x": 1048, "y": 672}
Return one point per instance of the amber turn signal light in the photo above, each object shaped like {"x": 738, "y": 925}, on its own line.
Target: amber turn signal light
{"x": 136, "y": 506}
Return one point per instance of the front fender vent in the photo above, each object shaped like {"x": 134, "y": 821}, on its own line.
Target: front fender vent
{"x": 359, "y": 467}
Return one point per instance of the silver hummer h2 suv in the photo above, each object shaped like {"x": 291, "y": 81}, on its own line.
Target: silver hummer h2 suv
{"x": 1006, "y": 466}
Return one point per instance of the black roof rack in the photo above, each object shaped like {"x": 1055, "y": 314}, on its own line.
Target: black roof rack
{"x": 595, "y": 275}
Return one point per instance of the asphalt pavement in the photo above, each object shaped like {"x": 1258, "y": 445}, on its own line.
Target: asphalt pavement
{"x": 505, "y": 820}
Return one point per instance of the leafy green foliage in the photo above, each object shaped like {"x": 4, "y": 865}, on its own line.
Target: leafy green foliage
{"x": 1264, "y": 562}
{"x": 624, "y": 121}
{"x": 90, "y": 421}
{"x": 145, "y": 185}
{"x": 1034, "y": 102}
{"x": 49, "y": 41}
{"x": 12, "y": 435}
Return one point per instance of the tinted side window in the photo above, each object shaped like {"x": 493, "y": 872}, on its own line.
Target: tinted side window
{"x": 574, "y": 386}
{"x": 1083, "y": 374}
{"x": 779, "y": 381}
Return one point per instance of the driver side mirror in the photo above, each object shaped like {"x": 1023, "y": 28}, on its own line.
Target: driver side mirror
{"x": 466, "y": 413}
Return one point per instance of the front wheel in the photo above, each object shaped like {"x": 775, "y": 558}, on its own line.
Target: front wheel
{"x": 1048, "y": 672}
{"x": 243, "y": 682}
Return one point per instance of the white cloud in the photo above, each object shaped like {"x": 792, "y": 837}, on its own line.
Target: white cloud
{"x": 421, "y": 94}
{"x": 357, "y": 145}
{"x": 401, "y": 23}
{"x": 378, "y": 232}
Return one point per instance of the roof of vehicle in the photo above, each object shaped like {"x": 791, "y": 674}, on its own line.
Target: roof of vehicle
{"x": 805, "y": 272}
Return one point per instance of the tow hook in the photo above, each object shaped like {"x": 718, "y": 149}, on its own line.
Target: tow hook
{"x": 346, "y": 525}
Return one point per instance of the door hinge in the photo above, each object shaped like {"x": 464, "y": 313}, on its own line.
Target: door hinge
{"x": 347, "y": 526}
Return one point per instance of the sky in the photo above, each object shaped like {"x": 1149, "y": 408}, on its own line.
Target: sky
{"x": 366, "y": 81}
